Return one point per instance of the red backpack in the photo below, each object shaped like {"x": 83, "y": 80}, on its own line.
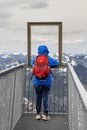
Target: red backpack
{"x": 41, "y": 67}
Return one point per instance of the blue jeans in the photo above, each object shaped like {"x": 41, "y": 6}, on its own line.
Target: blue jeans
{"x": 42, "y": 92}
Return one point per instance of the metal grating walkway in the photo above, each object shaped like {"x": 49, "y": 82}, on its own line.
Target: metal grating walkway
{"x": 28, "y": 122}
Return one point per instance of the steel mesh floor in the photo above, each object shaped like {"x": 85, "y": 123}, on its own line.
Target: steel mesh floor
{"x": 28, "y": 122}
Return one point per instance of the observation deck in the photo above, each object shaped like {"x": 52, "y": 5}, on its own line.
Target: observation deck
{"x": 67, "y": 101}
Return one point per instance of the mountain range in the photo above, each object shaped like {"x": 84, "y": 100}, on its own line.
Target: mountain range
{"x": 78, "y": 61}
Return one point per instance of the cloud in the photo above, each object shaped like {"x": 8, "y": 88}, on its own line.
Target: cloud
{"x": 9, "y": 8}
{"x": 78, "y": 41}
{"x": 44, "y": 30}
{"x": 5, "y": 13}
{"x": 75, "y": 41}
{"x": 4, "y": 24}
{"x": 25, "y": 4}
{"x": 14, "y": 15}
{"x": 74, "y": 32}
{"x": 52, "y": 33}
{"x": 39, "y": 5}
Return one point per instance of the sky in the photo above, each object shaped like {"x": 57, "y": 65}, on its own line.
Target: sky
{"x": 14, "y": 15}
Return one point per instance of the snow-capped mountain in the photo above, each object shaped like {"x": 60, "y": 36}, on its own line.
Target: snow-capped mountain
{"x": 79, "y": 63}
{"x": 85, "y": 57}
{"x": 11, "y": 60}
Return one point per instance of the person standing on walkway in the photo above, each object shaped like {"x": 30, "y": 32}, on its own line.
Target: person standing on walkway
{"x": 42, "y": 82}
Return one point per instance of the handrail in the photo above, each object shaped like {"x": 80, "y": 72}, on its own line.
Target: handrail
{"x": 12, "y": 83}
{"x": 79, "y": 86}
{"x": 77, "y": 98}
{"x": 11, "y": 69}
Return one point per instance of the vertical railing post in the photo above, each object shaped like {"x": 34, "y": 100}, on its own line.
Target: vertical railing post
{"x": 11, "y": 127}
{"x": 29, "y": 42}
{"x": 60, "y": 44}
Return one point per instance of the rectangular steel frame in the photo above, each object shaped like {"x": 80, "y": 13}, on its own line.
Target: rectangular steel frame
{"x": 29, "y": 24}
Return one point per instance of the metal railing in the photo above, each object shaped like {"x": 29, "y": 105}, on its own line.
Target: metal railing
{"x": 77, "y": 98}
{"x": 12, "y": 82}
{"x": 67, "y": 95}
{"x": 58, "y": 96}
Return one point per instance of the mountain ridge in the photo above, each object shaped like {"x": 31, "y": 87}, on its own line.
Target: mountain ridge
{"x": 78, "y": 62}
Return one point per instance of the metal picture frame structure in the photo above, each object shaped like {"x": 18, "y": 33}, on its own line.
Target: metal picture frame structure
{"x": 30, "y": 24}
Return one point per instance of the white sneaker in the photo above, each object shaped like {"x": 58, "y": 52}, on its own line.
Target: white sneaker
{"x": 46, "y": 117}
{"x": 38, "y": 117}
